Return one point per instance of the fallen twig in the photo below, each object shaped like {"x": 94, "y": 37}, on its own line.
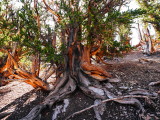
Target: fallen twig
{"x": 10, "y": 80}
{"x": 154, "y": 83}
{"x": 2, "y": 115}
{"x": 104, "y": 101}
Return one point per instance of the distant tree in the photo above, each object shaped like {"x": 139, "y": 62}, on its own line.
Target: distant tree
{"x": 152, "y": 17}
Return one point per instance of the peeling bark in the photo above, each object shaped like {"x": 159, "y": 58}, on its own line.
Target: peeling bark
{"x": 35, "y": 64}
{"x": 94, "y": 71}
{"x": 77, "y": 75}
{"x": 11, "y": 70}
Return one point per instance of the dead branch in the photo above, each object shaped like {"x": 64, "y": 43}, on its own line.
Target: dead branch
{"x": 103, "y": 61}
{"x": 52, "y": 11}
{"x": 10, "y": 80}
{"x": 12, "y": 70}
{"x": 104, "y": 101}
{"x": 154, "y": 83}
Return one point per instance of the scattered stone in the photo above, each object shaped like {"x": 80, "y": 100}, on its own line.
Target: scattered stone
{"x": 123, "y": 87}
{"x": 114, "y": 80}
{"x": 119, "y": 93}
{"x": 158, "y": 113}
{"x": 108, "y": 85}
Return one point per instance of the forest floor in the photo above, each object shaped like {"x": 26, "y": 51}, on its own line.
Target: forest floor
{"x": 135, "y": 71}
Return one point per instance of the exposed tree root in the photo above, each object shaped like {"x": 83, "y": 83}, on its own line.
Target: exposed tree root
{"x": 57, "y": 95}
{"x": 90, "y": 87}
{"x": 143, "y": 92}
{"x": 104, "y": 101}
{"x": 73, "y": 77}
{"x": 154, "y": 83}
{"x": 2, "y": 115}
{"x": 79, "y": 72}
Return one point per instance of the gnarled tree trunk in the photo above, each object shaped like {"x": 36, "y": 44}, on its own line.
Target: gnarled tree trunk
{"x": 79, "y": 72}
{"x": 11, "y": 71}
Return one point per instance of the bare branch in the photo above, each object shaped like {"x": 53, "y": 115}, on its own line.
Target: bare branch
{"x": 52, "y": 11}
{"x": 36, "y": 10}
{"x": 104, "y": 101}
{"x": 10, "y": 80}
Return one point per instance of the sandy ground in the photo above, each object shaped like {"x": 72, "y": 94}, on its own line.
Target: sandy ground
{"x": 135, "y": 71}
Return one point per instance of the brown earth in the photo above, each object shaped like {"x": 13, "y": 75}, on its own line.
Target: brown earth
{"x": 135, "y": 71}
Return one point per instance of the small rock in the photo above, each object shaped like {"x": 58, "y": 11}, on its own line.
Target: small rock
{"x": 123, "y": 87}
{"x": 109, "y": 85}
{"x": 131, "y": 87}
{"x": 119, "y": 93}
{"x": 114, "y": 80}
{"x": 158, "y": 113}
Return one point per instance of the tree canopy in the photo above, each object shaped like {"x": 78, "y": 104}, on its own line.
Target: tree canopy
{"x": 152, "y": 15}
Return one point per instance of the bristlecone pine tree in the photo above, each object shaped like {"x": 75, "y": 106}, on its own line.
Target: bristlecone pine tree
{"x": 152, "y": 17}
{"x": 85, "y": 28}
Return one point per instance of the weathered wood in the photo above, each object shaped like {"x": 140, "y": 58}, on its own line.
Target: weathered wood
{"x": 104, "y": 101}
{"x": 11, "y": 70}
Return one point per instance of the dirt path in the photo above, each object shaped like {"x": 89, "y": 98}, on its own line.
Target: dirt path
{"x": 135, "y": 71}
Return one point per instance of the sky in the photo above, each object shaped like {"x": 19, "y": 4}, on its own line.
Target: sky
{"x": 135, "y": 34}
